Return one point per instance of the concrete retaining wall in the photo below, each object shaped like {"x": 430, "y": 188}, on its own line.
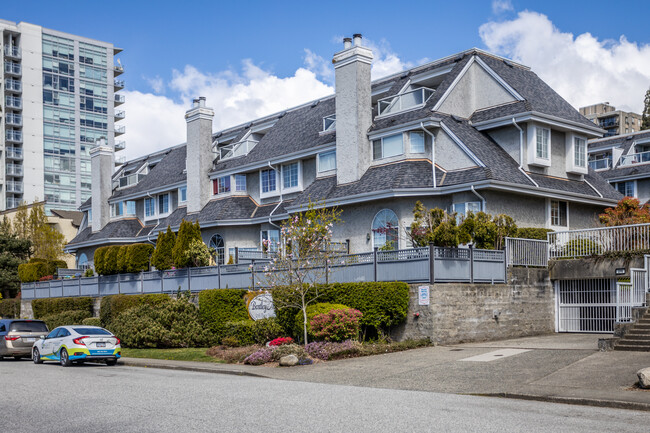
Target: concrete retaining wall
{"x": 482, "y": 312}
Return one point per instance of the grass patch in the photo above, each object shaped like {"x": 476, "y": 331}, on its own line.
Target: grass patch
{"x": 184, "y": 354}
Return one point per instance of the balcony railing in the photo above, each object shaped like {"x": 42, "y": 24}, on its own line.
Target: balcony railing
{"x": 14, "y": 136}
{"x": 237, "y": 149}
{"x": 119, "y": 99}
{"x": 13, "y": 102}
{"x": 14, "y": 152}
{"x": 329, "y": 123}
{"x": 14, "y": 187}
{"x": 131, "y": 179}
{"x": 119, "y": 130}
{"x": 600, "y": 164}
{"x": 405, "y": 101}
{"x": 608, "y": 123}
{"x": 13, "y": 202}
{"x": 118, "y": 69}
{"x": 119, "y": 115}
{"x": 14, "y": 170}
{"x": 120, "y": 145}
{"x": 12, "y": 51}
{"x": 635, "y": 158}
{"x": 14, "y": 119}
{"x": 13, "y": 68}
{"x": 13, "y": 85}
{"x": 118, "y": 84}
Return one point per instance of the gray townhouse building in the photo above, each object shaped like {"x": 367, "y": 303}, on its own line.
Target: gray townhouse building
{"x": 469, "y": 132}
{"x": 624, "y": 161}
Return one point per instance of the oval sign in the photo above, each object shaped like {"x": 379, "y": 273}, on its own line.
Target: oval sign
{"x": 261, "y": 307}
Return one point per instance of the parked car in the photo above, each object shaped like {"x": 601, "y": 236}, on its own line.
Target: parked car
{"x": 17, "y": 336}
{"x": 77, "y": 343}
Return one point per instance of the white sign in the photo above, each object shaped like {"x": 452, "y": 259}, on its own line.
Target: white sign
{"x": 423, "y": 295}
{"x": 261, "y": 307}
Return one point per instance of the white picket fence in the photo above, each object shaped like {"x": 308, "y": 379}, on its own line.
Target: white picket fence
{"x": 598, "y": 241}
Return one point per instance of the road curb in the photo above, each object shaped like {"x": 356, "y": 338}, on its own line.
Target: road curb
{"x": 143, "y": 362}
{"x": 579, "y": 401}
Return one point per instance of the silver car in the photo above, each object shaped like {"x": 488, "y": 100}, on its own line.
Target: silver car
{"x": 17, "y": 336}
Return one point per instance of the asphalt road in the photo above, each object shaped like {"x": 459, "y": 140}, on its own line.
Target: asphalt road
{"x": 128, "y": 399}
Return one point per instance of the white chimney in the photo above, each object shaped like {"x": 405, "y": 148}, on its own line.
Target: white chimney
{"x": 198, "y": 160}
{"x": 353, "y": 110}
{"x": 102, "y": 165}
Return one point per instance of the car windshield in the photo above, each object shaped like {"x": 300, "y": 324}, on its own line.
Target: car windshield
{"x": 28, "y": 326}
{"x": 91, "y": 331}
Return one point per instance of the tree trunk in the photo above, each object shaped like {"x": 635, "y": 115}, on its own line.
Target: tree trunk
{"x": 304, "y": 317}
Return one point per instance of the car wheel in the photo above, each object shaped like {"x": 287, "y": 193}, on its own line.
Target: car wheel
{"x": 65, "y": 359}
{"x": 36, "y": 357}
{"x": 111, "y": 362}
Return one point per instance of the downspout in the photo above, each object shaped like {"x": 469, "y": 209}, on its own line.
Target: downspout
{"x": 483, "y": 208}
{"x": 433, "y": 154}
{"x": 280, "y": 202}
{"x": 154, "y": 228}
{"x": 521, "y": 152}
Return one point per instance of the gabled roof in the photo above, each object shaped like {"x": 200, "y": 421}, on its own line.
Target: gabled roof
{"x": 73, "y": 215}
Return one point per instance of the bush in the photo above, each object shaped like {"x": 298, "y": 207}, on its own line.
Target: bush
{"x": 312, "y": 311}
{"x": 532, "y": 233}
{"x": 261, "y": 356}
{"x": 280, "y": 341}
{"x": 91, "y": 321}
{"x": 174, "y": 323}
{"x": 121, "y": 264}
{"x": 138, "y": 256}
{"x": 266, "y": 330}
{"x": 579, "y": 248}
{"x": 99, "y": 260}
{"x": 232, "y": 354}
{"x": 9, "y": 308}
{"x": 55, "y": 306}
{"x": 111, "y": 260}
{"x": 187, "y": 233}
{"x": 220, "y": 306}
{"x": 336, "y": 325}
{"x": 288, "y": 349}
{"x": 89, "y": 273}
{"x": 249, "y": 332}
{"x": 328, "y": 350}
{"x": 112, "y": 306}
{"x": 71, "y": 317}
{"x": 34, "y": 271}
{"x": 162, "y": 257}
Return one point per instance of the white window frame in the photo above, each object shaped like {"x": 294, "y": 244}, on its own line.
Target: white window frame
{"x": 180, "y": 194}
{"x": 570, "y": 155}
{"x": 533, "y": 157}
{"x": 461, "y": 215}
{"x": 424, "y": 142}
{"x": 550, "y": 213}
{"x": 274, "y": 192}
{"x": 169, "y": 204}
{"x": 234, "y": 182}
{"x": 634, "y": 186}
{"x": 298, "y": 186}
{"x": 153, "y": 215}
{"x": 273, "y": 247}
{"x": 381, "y": 140}
{"x": 125, "y": 209}
{"x": 218, "y": 180}
{"x": 318, "y": 162}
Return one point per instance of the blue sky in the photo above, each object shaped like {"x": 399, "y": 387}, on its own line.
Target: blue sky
{"x": 244, "y": 53}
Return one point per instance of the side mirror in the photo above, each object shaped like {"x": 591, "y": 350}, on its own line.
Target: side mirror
{"x": 42, "y": 337}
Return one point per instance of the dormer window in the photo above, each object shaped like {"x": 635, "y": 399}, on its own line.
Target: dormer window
{"x": 580, "y": 151}
{"x": 221, "y": 185}
{"x": 600, "y": 161}
{"x": 385, "y": 147}
{"x": 130, "y": 180}
{"x": 543, "y": 140}
{"x": 241, "y": 148}
{"x": 327, "y": 161}
{"x": 329, "y": 123}
{"x": 405, "y": 101}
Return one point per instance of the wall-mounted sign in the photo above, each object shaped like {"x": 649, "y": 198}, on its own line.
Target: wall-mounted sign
{"x": 423, "y": 295}
{"x": 260, "y": 305}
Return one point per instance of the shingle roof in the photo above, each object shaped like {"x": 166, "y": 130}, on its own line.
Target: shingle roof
{"x": 125, "y": 228}
{"x": 73, "y": 215}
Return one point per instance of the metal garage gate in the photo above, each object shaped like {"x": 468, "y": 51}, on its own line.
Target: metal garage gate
{"x": 585, "y": 305}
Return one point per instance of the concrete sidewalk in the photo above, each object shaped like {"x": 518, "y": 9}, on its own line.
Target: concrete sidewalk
{"x": 562, "y": 367}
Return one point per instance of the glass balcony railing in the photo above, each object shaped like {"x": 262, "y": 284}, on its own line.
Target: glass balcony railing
{"x": 329, "y": 123}
{"x": 13, "y": 102}
{"x": 131, "y": 179}
{"x": 14, "y": 170}
{"x": 14, "y": 187}
{"x": 118, "y": 69}
{"x": 12, "y": 51}
{"x": 13, "y": 68}
{"x": 14, "y": 119}
{"x": 119, "y": 99}
{"x": 237, "y": 149}
{"x": 404, "y": 101}
{"x": 119, "y": 130}
{"x": 118, "y": 84}
{"x": 600, "y": 164}
{"x": 119, "y": 115}
{"x": 12, "y": 202}
{"x": 14, "y": 153}
{"x": 635, "y": 158}
{"x": 14, "y": 135}
{"x": 120, "y": 145}
{"x": 13, "y": 85}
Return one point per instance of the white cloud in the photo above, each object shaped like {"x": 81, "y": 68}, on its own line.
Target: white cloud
{"x": 156, "y": 83}
{"x": 500, "y": 6}
{"x": 319, "y": 66}
{"x": 386, "y": 61}
{"x": 583, "y": 69}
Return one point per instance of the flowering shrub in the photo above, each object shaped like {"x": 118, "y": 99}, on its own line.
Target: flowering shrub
{"x": 46, "y": 278}
{"x": 280, "y": 341}
{"x": 336, "y": 325}
{"x": 288, "y": 349}
{"x": 260, "y": 357}
{"x": 327, "y": 350}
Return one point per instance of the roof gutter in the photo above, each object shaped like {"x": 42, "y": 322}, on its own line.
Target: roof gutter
{"x": 521, "y": 152}
{"x": 480, "y": 197}
{"x": 433, "y": 153}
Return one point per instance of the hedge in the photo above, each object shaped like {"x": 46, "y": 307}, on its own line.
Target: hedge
{"x": 121, "y": 260}
{"x": 248, "y": 332}
{"x": 111, "y": 306}
{"x": 110, "y": 260}
{"x": 162, "y": 256}
{"x": 220, "y": 306}
{"x": 313, "y": 310}
{"x": 71, "y": 317}
{"x": 382, "y": 304}
{"x": 10, "y": 308}
{"x": 138, "y": 256}
{"x": 98, "y": 259}
{"x": 532, "y": 233}
{"x": 92, "y": 321}
{"x": 55, "y": 306}
{"x": 30, "y": 272}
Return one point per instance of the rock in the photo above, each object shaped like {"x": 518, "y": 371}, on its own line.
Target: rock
{"x": 290, "y": 361}
{"x": 644, "y": 377}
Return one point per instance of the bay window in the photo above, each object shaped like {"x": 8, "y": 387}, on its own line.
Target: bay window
{"x": 149, "y": 207}
{"x": 543, "y": 140}
{"x": 268, "y": 181}
{"x": 327, "y": 161}
{"x": 163, "y": 204}
{"x": 385, "y": 147}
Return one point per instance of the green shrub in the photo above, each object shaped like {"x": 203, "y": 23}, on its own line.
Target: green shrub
{"x": 336, "y": 325}
{"x": 111, "y": 260}
{"x": 56, "y": 264}
{"x": 248, "y": 332}
{"x": 266, "y": 330}
{"x": 89, "y": 273}
{"x": 121, "y": 264}
{"x": 137, "y": 257}
{"x": 312, "y": 311}
{"x": 34, "y": 271}
{"x": 288, "y": 349}
{"x": 382, "y": 304}
{"x": 162, "y": 257}
{"x": 174, "y": 323}
{"x": 91, "y": 321}
{"x": 579, "y": 248}
{"x": 10, "y": 308}
{"x": 220, "y": 306}
{"x": 187, "y": 233}
{"x": 533, "y": 233}
{"x": 98, "y": 259}
{"x": 111, "y": 306}
{"x": 55, "y": 306}
{"x": 71, "y": 317}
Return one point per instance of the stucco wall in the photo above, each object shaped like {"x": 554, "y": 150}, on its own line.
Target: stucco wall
{"x": 234, "y": 236}
{"x": 527, "y": 211}
{"x": 582, "y": 216}
{"x": 558, "y": 154}
{"x": 508, "y": 138}
{"x": 643, "y": 190}
{"x": 448, "y": 155}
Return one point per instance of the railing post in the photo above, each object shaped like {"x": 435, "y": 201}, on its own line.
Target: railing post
{"x": 79, "y": 285}
{"x": 374, "y": 263}
{"x": 119, "y": 285}
{"x": 471, "y": 264}
{"x": 432, "y": 260}
{"x": 218, "y": 275}
{"x": 162, "y": 281}
{"x": 49, "y": 289}
{"x": 236, "y": 255}
{"x": 141, "y": 282}
{"x": 253, "y": 273}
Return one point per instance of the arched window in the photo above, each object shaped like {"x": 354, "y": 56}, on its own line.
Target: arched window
{"x": 82, "y": 261}
{"x": 385, "y": 228}
{"x": 216, "y": 242}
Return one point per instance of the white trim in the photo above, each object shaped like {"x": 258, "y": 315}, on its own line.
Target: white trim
{"x": 461, "y": 145}
{"x": 533, "y": 158}
{"x": 372, "y": 149}
{"x": 296, "y": 188}
{"x": 550, "y": 213}
{"x": 323, "y": 172}
{"x": 535, "y": 116}
{"x": 452, "y": 85}
{"x": 405, "y": 127}
{"x": 271, "y": 193}
{"x": 570, "y": 154}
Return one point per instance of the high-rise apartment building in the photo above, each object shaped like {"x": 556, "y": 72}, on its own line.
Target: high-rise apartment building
{"x": 58, "y": 99}
{"x": 615, "y": 122}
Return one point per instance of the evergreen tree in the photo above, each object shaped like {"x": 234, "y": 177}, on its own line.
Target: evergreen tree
{"x": 187, "y": 233}
{"x": 13, "y": 252}
{"x": 162, "y": 257}
{"x": 645, "y": 122}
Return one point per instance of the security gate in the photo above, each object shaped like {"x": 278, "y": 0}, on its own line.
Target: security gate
{"x": 586, "y": 305}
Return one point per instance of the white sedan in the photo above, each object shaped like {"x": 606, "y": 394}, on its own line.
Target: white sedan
{"x": 77, "y": 343}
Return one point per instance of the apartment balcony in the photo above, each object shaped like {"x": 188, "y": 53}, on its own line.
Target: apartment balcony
{"x": 14, "y": 170}
{"x": 13, "y": 136}
{"x": 237, "y": 149}
{"x": 14, "y": 86}
{"x": 405, "y": 101}
{"x": 118, "y": 70}
{"x": 119, "y": 100}
{"x": 14, "y": 187}
{"x": 13, "y": 102}
{"x": 119, "y": 115}
{"x": 13, "y": 69}
{"x": 13, "y": 202}
{"x": 130, "y": 180}
{"x": 635, "y": 158}
{"x": 12, "y": 51}
{"x": 119, "y": 130}
{"x": 14, "y": 119}
{"x": 120, "y": 145}
{"x": 119, "y": 161}
{"x": 118, "y": 85}
{"x": 15, "y": 153}
{"x": 600, "y": 164}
